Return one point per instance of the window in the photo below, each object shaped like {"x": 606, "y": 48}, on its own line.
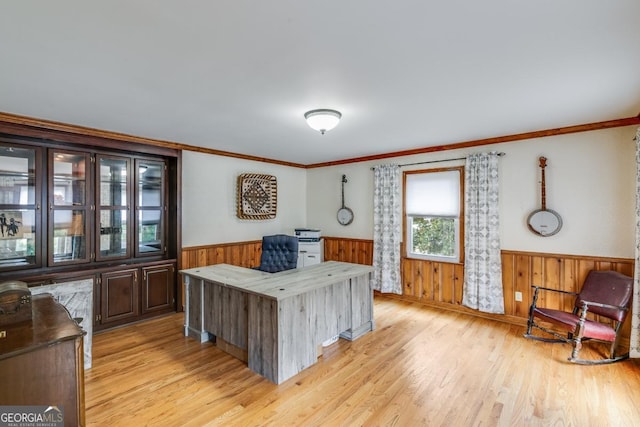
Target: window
{"x": 433, "y": 208}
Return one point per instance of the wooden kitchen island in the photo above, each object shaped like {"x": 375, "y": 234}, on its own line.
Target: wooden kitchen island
{"x": 276, "y": 322}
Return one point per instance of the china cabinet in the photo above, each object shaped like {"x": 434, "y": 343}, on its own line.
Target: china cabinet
{"x": 104, "y": 210}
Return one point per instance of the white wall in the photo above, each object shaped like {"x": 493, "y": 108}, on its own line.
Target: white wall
{"x": 590, "y": 180}
{"x": 590, "y": 183}
{"x": 209, "y": 200}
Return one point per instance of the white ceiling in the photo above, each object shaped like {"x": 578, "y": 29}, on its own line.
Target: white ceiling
{"x": 238, "y": 75}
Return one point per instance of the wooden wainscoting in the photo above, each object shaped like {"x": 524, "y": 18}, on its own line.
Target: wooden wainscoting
{"x": 440, "y": 284}
{"x": 357, "y": 251}
{"x": 247, "y": 254}
{"x": 243, "y": 254}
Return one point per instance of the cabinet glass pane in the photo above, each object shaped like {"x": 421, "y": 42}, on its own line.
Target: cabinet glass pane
{"x": 17, "y": 176}
{"x": 113, "y": 182}
{"x": 150, "y": 231}
{"x": 150, "y": 184}
{"x": 69, "y": 179}
{"x": 113, "y": 233}
{"x": 69, "y": 235}
{"x": 17, "y": 237}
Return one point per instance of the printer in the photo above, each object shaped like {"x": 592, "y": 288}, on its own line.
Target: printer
{"x": 307, "y": 235}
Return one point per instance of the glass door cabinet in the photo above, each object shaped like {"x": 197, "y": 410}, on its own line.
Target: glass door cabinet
{"x": 20, "y": 239}
{"x": 104, "y": 211}
{"x": 98, "y": 207}
{"x": 69, "y": 208}
{"x": 114, "y": 207}
{"x": 150, "y": 206}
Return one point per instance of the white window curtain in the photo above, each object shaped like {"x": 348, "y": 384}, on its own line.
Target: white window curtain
{"x": 387, "y": 229}
{"x": 482, "y": 265}
{"x": 634, "y": 350}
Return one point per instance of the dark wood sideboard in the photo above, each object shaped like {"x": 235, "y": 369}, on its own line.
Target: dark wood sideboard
{"x": 41, "y": 361}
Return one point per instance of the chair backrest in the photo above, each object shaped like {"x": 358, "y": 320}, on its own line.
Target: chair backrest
{"x": 607, "y": 287}
{"x": 279, "y": 252}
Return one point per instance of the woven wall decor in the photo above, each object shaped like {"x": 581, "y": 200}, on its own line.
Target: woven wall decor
{"x": 257, "y": 196}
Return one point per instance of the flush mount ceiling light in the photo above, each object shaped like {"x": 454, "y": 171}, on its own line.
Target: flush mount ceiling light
{"x": 322, "y": 120}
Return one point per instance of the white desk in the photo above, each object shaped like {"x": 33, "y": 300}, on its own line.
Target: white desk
{"x": 277, "y": 321}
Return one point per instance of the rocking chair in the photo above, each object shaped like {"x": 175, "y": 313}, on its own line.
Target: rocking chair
{"x": 605, "y": 294}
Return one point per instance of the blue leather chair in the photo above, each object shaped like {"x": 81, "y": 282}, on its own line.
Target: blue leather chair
{"x": 279, "y": 252}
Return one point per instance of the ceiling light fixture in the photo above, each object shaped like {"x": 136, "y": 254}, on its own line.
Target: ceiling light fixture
{"x": 322, "y": 120}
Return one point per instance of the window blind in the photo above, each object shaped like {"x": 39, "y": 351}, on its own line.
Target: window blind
{"x": 433, "y": 193}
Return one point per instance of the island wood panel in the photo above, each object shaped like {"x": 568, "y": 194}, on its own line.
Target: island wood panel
{"x": 344, "y": 305}
{"x": 263, "y": 357}
{"x": 194, "y": 314}
{"x": 226, "y": 316}
{"x": 361, "y": 309}
{"x": 196, "y": 285}
{"x": 288, "y": 314}
{"x": 298, "y": 324}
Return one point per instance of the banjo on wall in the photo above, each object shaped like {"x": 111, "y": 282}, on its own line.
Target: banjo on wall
{"x": 345, "y": 215}
{"x": 544, "y": 222}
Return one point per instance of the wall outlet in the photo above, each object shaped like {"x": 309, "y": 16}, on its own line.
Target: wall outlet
{"x": 518, "y": 296}
{"x": 3, "y": 334}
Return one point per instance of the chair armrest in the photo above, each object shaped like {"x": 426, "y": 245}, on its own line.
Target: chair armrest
{"x": 583, "y": 315}
{"x": 536, "y": 289}
{"x": 586, "y": 304}
{"x": 553, "y": 290}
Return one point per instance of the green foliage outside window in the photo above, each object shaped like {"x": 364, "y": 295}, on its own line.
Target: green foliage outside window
{"x": 434, "y": 236}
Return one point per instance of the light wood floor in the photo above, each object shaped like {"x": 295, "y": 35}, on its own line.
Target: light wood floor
{"x": 421, "y": 366}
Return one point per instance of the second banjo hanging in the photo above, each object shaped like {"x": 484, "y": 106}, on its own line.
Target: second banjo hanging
{"x": 345, "y": 215}
{"x": 544, "y": 222}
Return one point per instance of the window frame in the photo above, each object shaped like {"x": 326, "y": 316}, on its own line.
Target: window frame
{"x": 407, "y": 220}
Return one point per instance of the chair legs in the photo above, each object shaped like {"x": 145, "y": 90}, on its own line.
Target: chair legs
{"x": 558, "y": 338}
{"x": 532, "y": 324}
{"x": 577, "y": 346}
{"x": 574, "y": 359}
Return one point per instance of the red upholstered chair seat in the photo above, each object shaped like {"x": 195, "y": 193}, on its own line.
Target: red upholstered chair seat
{"x": 569, "y": 322}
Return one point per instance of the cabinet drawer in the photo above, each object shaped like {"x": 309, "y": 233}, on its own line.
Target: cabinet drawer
{"x": 309, "y": 247}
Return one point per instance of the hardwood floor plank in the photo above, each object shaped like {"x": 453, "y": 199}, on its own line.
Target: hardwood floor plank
{"x": 421, "y": 366}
